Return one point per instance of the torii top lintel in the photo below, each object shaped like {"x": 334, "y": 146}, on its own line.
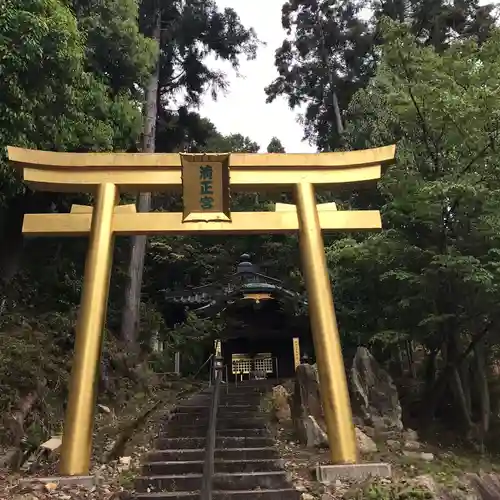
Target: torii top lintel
{"x": 80, "y": 172}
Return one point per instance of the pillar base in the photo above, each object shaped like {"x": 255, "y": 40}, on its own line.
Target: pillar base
{"x": 82, "y": 481}
{"x": 328, "y": 474}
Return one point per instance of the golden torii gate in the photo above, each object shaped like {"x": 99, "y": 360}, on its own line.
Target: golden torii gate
{"x": 205, "y": 181}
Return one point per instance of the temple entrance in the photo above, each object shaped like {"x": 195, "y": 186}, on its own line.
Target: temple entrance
{"x": 205, "y": 181}
{"x": 265, "y": 321}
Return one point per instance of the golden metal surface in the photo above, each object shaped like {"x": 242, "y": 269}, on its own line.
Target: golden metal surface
{"x": 105, "y": 173}
{"x": 258, "y": 296}
{"x": 296, "y": 352}
{"x": 119, "y": 209}
{"x": 77, "y": 436}
{"x": 333, "y": 385}
{"x": 289, "y": 207}
{"x": 109, "y": 161}
{"x": 205, "y": 187}
{"x": 163, "y": 223}
{"x": 162, "y": 172}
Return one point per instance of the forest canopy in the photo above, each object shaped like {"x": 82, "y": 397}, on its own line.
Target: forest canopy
{"x": 73, "y": 77}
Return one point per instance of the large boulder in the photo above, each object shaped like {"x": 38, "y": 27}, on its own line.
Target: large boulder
{"x": 306, "y": 402}
{"x": 374, "y": 395}
{"x": 281, "y": 407}
{"x": 315, "y": 436}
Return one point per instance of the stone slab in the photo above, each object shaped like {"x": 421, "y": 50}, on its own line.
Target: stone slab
{"x": 83, "y": 481}
{"x": 328, "y": 474}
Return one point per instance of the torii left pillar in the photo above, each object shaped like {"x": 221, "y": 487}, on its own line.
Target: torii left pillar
{"x": 78, "y": 424}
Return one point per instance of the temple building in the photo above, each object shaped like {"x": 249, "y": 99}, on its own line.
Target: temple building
{"x": 266, "y": 325}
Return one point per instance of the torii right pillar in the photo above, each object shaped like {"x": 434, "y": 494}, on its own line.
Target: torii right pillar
{"x": 333, "y": 384}
{"x": 327, "y": 346}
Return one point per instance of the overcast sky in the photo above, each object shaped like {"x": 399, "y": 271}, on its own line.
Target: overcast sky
{"x": 244, "y": 108}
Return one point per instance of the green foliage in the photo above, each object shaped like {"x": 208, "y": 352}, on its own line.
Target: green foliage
{"x": 234, "y": 143}
{"x": 380, "y": 490}
{"x": 275, "y": 146}
{"x": 51, "y": 99}
{"x": 331, "y": 50}
{"x": 71, "y": 75}
{"x": 194, "y": 29}
{"x": 432, "y": 276}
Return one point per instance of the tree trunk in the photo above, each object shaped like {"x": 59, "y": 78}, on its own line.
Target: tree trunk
{"x": 436, "y": 393}
{"x": 465, "y": 376}
{"x": 131, "y": 309}
{"x": 409, "y": 355}
{"x": 336, "y": 109}
{"x": 13, "y": 457}
{"x": 460, "y": 399}
{"x": 483, "y": 389}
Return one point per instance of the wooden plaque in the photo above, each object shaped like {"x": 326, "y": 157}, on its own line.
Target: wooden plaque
{"x": 205, "y": 187}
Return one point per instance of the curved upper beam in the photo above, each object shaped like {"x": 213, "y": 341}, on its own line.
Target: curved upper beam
{"x": 77, "y": 172}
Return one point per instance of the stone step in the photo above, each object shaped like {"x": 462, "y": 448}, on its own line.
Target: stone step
{"x": 201, "y": 431}
{"x": 221, "y": 481}
{"x": 201, "y": 418}
{"x": 221, "y": 442}
{"x": 206, "y": 408}
{"x": 180, "y": 420}
{"x": 186, "y": 454}
{"x": 281, "y": 494}
{"x": 241, "y": 399}
{"x": 231, "y": 401}
{"x": 177, "y": 467}
{"x": 241, "y": 388}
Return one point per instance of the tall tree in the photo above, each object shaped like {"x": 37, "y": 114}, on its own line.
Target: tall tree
{"x": 275, "y": 146}
{"x": 232, "y": 143}
{"x": 331, "y": 51}
{"x": 325, "y": 58}
{"x": 190, "y": 30}
{"x": 131, "y": 309}
{"x": 432, "y": 276}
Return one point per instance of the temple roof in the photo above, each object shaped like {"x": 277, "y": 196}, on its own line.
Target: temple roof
{"x": 246, "y": 283}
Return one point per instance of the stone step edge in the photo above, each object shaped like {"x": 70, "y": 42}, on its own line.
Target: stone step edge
{"x": 197, "y": 450}
{"x": 217, "y": 474}
{"x": 174, "y": 494}
{"x": 244, "y": 461}
{"x": 234, "y": 438}
{"x": 164, "y": 435}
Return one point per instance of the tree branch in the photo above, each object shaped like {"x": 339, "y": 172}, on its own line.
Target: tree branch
{"x": 425, "y": 131}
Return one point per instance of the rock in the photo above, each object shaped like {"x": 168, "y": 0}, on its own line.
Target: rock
{"x": 369, "y": 431}
{"x": 393, "y": 445}
{"x": 281, "y": 408}
{"x": 315, "y": 435}
{"x": 410, "y": 435}
{"x": 125, "y": 462}
{"x": 375, "y": 396}
{"x": 426, "y": 481}
{"x": 419, "y": 455}
{"x": 104, "y": 409}
{"x": 412, "y": 445}
{"x": 487, "y": 486}
{"x": 54, "y": 443}
{"x": 365, "y": 443}
{"x": 306, "y": 401}
{"x": 51, "y": 486}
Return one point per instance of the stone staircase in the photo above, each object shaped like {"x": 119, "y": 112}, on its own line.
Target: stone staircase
{"x": 247, "y": 466}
